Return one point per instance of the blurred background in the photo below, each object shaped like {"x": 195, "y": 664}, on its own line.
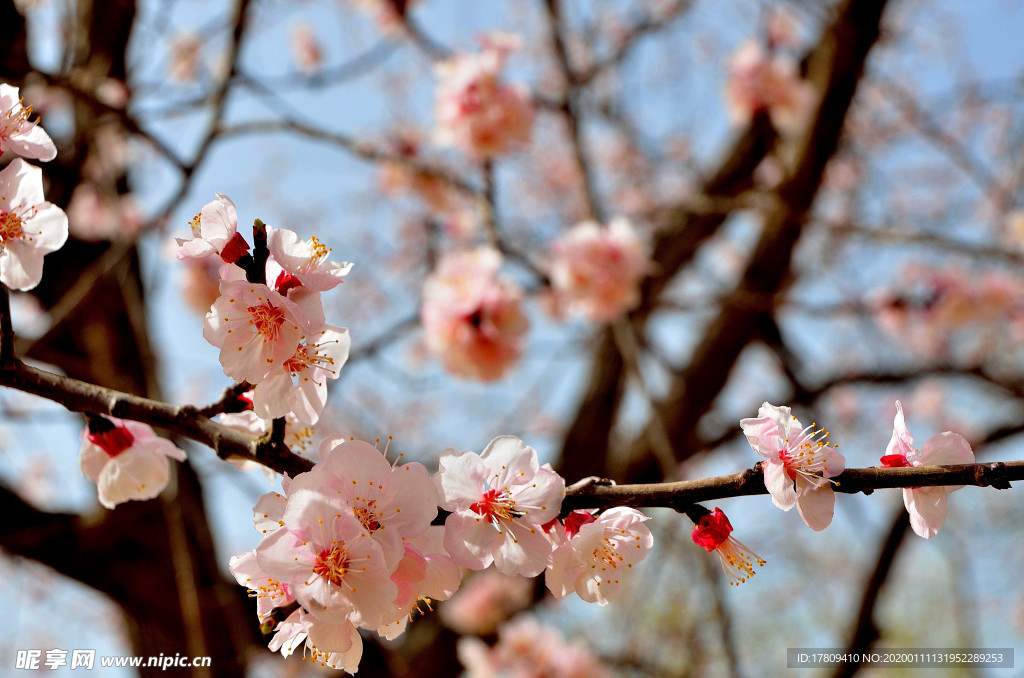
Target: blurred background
{"x": 831, "y": 197}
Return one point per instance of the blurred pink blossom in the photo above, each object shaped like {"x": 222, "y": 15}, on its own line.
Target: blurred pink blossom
{"x": 95, "y": 214}
{"x": 762, "y": 82}
{"x": 527, "y": 649}
{"x": 597, "y": 270}
{"x": 473, "y": 320}
{"x": 485, "y": 601}
{"x": 307, "y": 53}
{"x": 477, "y": 113}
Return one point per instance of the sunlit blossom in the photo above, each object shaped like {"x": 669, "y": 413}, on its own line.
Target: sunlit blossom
{"x": 597, "y": 556}
{"x": 798, "y": 463}
{"x": 18, "y": 133}
{"x": 30, "y": 227}
{"x": 499, "y": 501}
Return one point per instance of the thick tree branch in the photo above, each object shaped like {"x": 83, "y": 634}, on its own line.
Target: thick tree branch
{"x": 179, "y": 420}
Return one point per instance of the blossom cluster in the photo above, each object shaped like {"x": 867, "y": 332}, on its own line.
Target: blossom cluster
{"x": 268, "y": 320}
{"x": 30, "y": 227}
{"x": 350, "y": 544}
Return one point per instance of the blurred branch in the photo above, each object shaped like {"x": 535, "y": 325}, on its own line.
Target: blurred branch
{"x": 923, "y": 122}
{"x": 127, "y": 120}
{"x": 433, "y": 49}
{"x": 570, "y": 108}
{"x": 889, "y": 233}
{"x": 643, "y": 27}
{"x": 355, "y": 67}
{"x": 217, "y": 104}
{"x": 865, "y": 632}
{"x": 835, "y": 68}
{"x": 361, "y": 149}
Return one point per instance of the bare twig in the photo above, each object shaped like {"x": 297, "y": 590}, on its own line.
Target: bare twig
{"x": 570, "y": 108}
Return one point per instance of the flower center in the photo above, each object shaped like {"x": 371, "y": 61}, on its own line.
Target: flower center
{"x": 320, "y": 251}
{"x": 496, "y": 506}
{"x": 332, "y": 564}
{"x": 805, "y": 455}
{"x": 10, "y": 227}
{"x": 267, "y": 319}
{"x": 367, "y": 515}
{"x": 606, "y": 553}
{"x": 304, "y": 360}
{"x": 16, "y": 117}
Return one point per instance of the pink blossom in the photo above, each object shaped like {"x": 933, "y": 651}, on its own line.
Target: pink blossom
{"x": 926, "y": 505}
{"x": 268, "y": 513}
{"x": 712, "y": 534}
{"x": 125, "y": 459}
{"x": 485, "y": 601}
{"x": 299, "y": 384}
{"x": 476, "y": 112}
{"x": 256, "y": 329}
{"x": 391, "y": 503}
{"x": 307, "y": 53}
{"x": 798, "y": 463}
{"x": 499, "y": 501}
{"x": 473, "y": 319}
{"x": 329, "y": 561}
{"x": 759, "y": 82}
{"x": 30, "y": 227}
{"x": 17, "y": 133}
{"x": 597, "y": 271}
{"x": 215, "y": 231}
{"x": 95, "y": 214}
{"x": 599, "y": 555}
{"x": 306, "y": 261}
